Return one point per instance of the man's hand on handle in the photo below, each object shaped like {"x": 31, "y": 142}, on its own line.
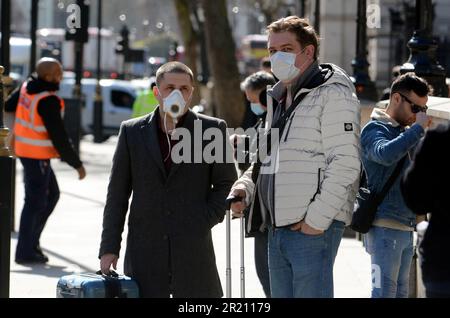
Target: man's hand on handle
{"x": 106, "y": 261}
{"x": 238, "y": 207}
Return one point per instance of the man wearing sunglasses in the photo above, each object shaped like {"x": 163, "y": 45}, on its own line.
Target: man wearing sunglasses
{"x": 390, "y": 136}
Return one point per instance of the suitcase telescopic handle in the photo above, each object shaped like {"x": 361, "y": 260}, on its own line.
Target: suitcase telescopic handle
{"x": 231, "y": 199}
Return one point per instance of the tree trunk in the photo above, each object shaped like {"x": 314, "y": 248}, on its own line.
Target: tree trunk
{"x": 190, "y": 41}
{"x": 222, "y": 59}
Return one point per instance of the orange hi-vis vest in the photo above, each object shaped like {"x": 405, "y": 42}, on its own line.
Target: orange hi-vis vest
{"x": 31, "y": 136}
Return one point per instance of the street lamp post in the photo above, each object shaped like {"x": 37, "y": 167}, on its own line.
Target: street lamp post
{"x": 365, "y": 88}
{"x": 6, "y": 62}
{"x": 317, "y": 17}
{"x": 7, "y": 164}
{"x": 200, "y": 22}
{"x": 422, "y": 46}
{"x": 98, "y": 105}
{"x": 33, "y": 29}
{"x": 6, "y": 34}
{"x": 302, "y": 8}
{"x": 72, "y": 115}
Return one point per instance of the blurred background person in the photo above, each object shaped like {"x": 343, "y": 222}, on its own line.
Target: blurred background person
{"x": 39, "y": 137}
{"x": 254, "y": 87}
{"x": 266, "y": 65}
{"x": 255, "y": 90}
{"x": 145, "y": 103}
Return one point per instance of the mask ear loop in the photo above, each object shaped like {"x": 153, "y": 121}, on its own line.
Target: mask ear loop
{"x": 167, "y": 136}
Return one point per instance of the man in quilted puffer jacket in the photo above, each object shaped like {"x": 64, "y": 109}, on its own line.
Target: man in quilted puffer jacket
{"x": 304, "y": 191}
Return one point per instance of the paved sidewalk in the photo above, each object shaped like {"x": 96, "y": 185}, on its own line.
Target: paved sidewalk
{"x": 72, "y": 236}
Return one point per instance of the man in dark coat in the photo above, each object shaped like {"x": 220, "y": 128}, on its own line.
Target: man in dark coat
{"x": 425, "y": 190}
{"x": 175, "y": 205}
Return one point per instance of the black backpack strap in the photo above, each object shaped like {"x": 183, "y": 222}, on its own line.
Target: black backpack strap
{"x": 391, "y": 179}
{"x": 363, "y": 178}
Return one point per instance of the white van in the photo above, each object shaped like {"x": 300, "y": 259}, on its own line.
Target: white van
{"x": 118, "y": 98}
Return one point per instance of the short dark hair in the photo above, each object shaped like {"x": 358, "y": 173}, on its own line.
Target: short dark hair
{"x": 304, "y": 32}
{"x": 410, "y": 82}
{"x": 258, "y": 81}
{"x": 265, "y": 62}
{"x": 173, "y": 67}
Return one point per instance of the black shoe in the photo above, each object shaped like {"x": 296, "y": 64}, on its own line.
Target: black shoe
{"x": 38, "y": 251}
{"x": 35, "y": 259}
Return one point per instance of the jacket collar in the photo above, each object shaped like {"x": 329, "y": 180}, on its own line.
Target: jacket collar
{"x": 37, "y": 85}
{"x": 149, "y": 131}
{"x": 278, "y": 91}
{"x": 381, "y": 115}
{"x": 316, "y": 75}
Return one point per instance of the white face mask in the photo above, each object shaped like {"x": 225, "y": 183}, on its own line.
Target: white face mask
{"x": 283, "y": 65}
{"x": 174, "y": 104}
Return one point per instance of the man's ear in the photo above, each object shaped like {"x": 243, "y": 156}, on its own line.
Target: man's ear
{"x": 155, "y": 91}
{"x": 188, "y": 102}
{"x": 396, "y": 98}
{"x": 310, "y": 51}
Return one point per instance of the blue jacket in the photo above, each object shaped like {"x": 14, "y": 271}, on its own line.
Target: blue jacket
{"x": 384, "y": 142}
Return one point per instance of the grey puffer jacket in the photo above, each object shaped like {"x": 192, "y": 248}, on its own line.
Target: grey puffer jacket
{"x": 318, "y": 157}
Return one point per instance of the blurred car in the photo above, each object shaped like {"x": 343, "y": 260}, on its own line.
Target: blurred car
{"x": 143, "y": 84}
{"x": 118, "y": 98}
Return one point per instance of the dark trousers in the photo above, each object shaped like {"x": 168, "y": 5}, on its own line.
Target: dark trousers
{"x": 261, "y": 261}
{"x": 41, "y": 196}
{"x": 437, "y": 289}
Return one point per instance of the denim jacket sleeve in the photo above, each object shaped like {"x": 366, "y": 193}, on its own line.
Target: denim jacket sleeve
{"x": 378, "y": 145}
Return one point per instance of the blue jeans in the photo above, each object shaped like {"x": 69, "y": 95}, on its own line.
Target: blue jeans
{"x": 391, "y": 253}
{"x": 41, "y": 196}
{"x": 301, "y": 265}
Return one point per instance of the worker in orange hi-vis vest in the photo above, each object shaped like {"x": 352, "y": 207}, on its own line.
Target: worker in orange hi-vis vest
{"x": 39, "y": 137}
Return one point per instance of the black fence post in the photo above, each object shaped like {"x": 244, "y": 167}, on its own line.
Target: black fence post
{"x": 365, "y": 88}
{"x": 7, "y": 164}
{"x": 98, "y": 104}
{"x": 422, "y": 60}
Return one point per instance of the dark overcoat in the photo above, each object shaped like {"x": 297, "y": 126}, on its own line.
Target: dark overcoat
{"x": 169, "y": 243}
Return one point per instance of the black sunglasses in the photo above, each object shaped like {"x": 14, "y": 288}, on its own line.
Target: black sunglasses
{"x": 414, "y": 107}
